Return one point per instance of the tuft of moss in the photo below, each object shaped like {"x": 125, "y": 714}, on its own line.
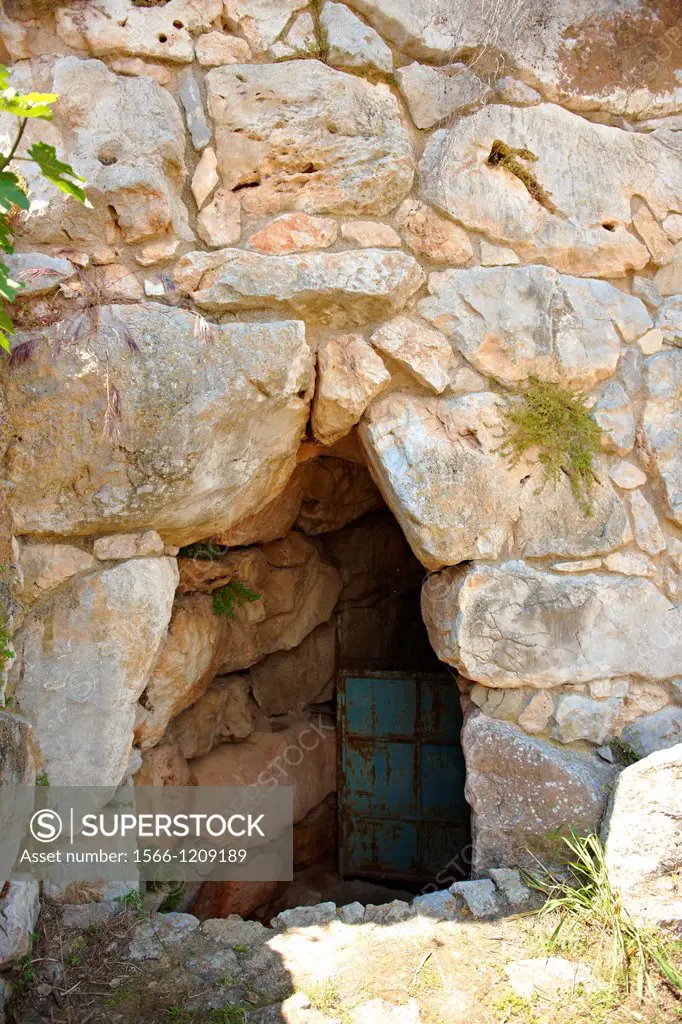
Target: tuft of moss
{"x": 555, "y": 420}
{"x": 502, "y": 155}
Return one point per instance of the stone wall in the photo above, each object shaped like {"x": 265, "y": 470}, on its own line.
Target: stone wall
{"x": 300, "y": 262}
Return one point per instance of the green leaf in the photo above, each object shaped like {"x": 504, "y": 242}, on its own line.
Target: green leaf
{"x": 8, "y": 287}
{"x": 29, "y": 104}
{"x": 4, "y": 77}
{"x": 11, "y": 193}
{"x": 60, "y": 174}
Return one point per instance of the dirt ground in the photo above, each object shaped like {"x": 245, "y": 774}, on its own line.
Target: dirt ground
{"x": 455, "y": 971}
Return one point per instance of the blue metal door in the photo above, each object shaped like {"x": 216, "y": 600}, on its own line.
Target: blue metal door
{"x": 402, "y": 812}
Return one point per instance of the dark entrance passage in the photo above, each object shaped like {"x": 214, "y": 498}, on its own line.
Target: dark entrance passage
{"x": 402, "y": 812}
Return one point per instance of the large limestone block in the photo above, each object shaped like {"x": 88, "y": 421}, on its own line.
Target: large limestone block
{"x": 302, "y": 756}
{"x": 432, "y": 94}
{"x": 587, "y": 230}
{"x": 521, "y": 788}
{"x": 289, "y": 680}
{"x": 350, "y": 376}
{"x": 641, "y": 835}
{"x": 134, "y": 165}
{"x": 297, "y": 591}
{"x": 114, "y": 27}
{"x": 83, "y": 659}
{"x": 516, "y": 322}
{"x": 514, "y": 625}
{"x": 438, "y": 465}
{"x": 46, "y": 566}
{"x": 340, "y": 288}
{"x": 350, "y": 42}
{"x": 307, "y": 137}
{"x": 208, "y": 432}
{"x": 188, "y": 661}
{"x": 585, "y": 55}
{"x": 663, "y": 424}
{"x": 260, "y": 21}
{"x": 222, "y": 714}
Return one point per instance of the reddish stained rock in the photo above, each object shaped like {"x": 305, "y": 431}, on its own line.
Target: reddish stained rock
{"x": 220, "y": 899}
{"x": 294, "y": 232}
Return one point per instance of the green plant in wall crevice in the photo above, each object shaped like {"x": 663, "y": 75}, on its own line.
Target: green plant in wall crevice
{"x": 233, "y": 595}
{"x": 555, "y": 420}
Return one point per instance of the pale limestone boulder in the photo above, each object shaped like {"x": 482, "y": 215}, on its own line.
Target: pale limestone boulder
{"x": 614, "y": 414}
{"x": 219, "y": 223}
{"x": 350, "y": 376}
{"x": 19, "y": 912}
{"x": 310, "y": 138}
{"x": 121, "y": 27}
{"x": 134, "y": 166}
{"x": 581, "y": 718}
{"x": 652, "y": 234}
{"x": 651, "y": 342}
{"x": 223, "y": 714}
{"x": 663, "y": 424}
{"x": 46, "y": 566}
{"x": 516, "y": 322}
{"x": 657, "y": 731}
{"x": 648, "y": 534}
{"x": 205, "y": 177}
{"x": 641, "y": 836}
{"x": 293, "y": 232}
{"x": 605, "y": 58}
{"x": 290, "y": 680}
{"x": 187, "y": 407}
{"x": 338, "y": 289}
{"x": 497, "y": 255}
{"x": 260, "y": 21}
{"x": 438, "y": 464}
{"x": 83, "y": 662}
{"x": 350, "y": 42}
{"x": 425, "y": 354}
{"x": 583, "y": 627}
{"x": 128, "y": 545}
{"x": 626, "y": 475}
{"x": 215, "y": 49}
{"x": 630, "y": 563}
{"x": 521, "y": 788}
{"x": 303, "y": 756}
{"x": 37, "y": 273}
{"x": 668, "y": 280}
{"x": 301, "y": 39}
{"x": 432, "y": 94}
{"x": 587, "y": 231}
{"x": 432, "y": 236}
{"x": 368, "y": 234}
{"x": 188, "y": 661}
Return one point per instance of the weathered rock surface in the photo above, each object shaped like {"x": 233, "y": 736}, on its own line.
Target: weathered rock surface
{"x": 521, "y": 788}
{"x": 120, "y": 27}
{"x": 663, "y": 424}
{"x": 582, "y": 627}
{"x": 584, "y": 228}
{"x": 19, "y": 910}
{"x": 290, "y": 680}
{"x": 350, "y": 375}
{"x": 317, "y": 139}
{"x": 46, "y": 566}
{"x": 260, "y": 21}
{"x": 350, "y": 42}
{"x": 587, "y": 58}
{"x": 335, "y": 492}
{"x": 83, "y": 659}
{"x": 341, "y": 288}
{"x": 134, "y": 165}
{"x": 294, "y": 232}
{"x": 223, "y": 714}
{"x": 303, "y": 756}
{"x": 657, "y": 731}
{"x": 641, "y": 835}
{"x": 186, "y": 409}
{"x": 432, "y": 94}
{"x": 432, "y": 236}
{"x": 439, "y": 467}
{"x": 513, "y": 322}
{"x": 425, "y": 354}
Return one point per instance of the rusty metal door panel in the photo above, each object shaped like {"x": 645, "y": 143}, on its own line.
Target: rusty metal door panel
{"x": 402, "y": 812}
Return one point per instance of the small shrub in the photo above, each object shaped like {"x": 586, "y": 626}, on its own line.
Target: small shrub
{"x": 132, "y": 900}
{"x": 557, "y": 422}
{"x": 42, "y": 779}
{"x": 623, "y": 754}
{"x": 234, "y": 593}
{"x": 587, "y": 905}
{"x": 204, "y": 550}
{"x": 502, "y": 155}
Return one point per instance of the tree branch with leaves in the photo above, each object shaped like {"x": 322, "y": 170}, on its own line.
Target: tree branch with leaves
{"x": 13, "y": 193}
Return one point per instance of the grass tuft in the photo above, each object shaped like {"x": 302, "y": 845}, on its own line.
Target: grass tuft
{"x": 589, "y": 908}
{"x": 555, "y": 420}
